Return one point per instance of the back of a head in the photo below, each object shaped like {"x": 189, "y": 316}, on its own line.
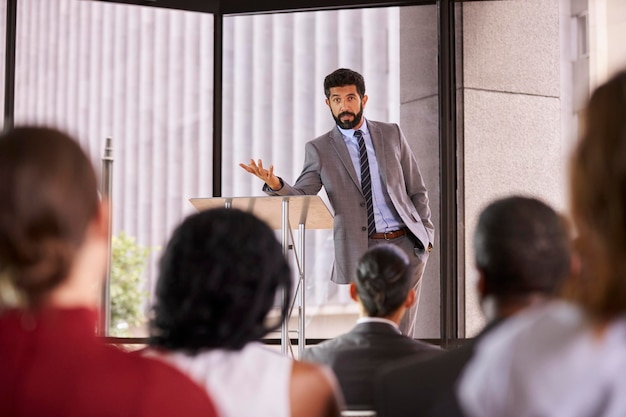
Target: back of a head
{"x": 343, "y": 77}
{"x": 218, "y": 279}
{"x": 383, "y": 279}
{"x": 598, "y": 190}
{"x": 522, "y": 246}
{"x": 49, "y": 196}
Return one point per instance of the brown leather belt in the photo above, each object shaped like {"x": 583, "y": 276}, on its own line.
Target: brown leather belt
{"x": 389, "y": 235}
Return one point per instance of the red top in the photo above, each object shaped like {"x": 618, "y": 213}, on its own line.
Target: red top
{"x": 52, "y": 364}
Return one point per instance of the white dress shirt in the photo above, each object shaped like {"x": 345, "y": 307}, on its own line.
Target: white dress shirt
{"x": 385, "y": 214}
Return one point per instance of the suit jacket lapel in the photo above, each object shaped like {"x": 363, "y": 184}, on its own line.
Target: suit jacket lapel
{"x": 379, "y": 147}
{"x": 337, "y": 142}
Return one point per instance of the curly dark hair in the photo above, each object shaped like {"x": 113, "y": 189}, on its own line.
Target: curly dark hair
{"x": 48, "y": 197}
{"x": 343, "y": 77}
{"x": 219, "y": 277}
{"x": 383, "y": 279}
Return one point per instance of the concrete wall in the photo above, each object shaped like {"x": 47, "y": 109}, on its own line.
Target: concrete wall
{"x": 419, "y": 115}
{"x": 512, "y": 123}
{"x": 511, "y": 127}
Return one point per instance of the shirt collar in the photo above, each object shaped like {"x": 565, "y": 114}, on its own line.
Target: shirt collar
{"x": 378, "y": 320}
{"x": 349, "y": 133}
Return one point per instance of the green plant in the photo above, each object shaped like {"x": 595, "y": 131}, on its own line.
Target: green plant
{"x": 128, "y": 262}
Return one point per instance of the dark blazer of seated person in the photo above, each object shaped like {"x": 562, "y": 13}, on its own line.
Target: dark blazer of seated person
{"x": 522, "y": 253}
{"x": 383, "y": 291}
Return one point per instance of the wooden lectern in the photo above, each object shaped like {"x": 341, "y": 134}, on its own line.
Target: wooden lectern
{"x": 283, "y": 213}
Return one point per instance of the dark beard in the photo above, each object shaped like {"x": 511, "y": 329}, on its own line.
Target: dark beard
{"x": 348, "y": 124}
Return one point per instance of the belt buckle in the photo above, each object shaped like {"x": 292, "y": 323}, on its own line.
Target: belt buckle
{"x": 391, "y": 234}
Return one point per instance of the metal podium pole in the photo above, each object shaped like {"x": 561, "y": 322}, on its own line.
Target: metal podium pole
{"x": 284, "y": 336}
{"x": 302, "y": 287}
{"x": 107, "y": 193}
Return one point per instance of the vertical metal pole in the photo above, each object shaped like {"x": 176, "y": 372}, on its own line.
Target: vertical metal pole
{"x": 9, "y": 72}
{"x": 284, "y": 336}
{"x": 107, "y": 195}
{"x": 302, "y": 286}
{"x": 448, "y": 178}
{"x": 218, "y": 47}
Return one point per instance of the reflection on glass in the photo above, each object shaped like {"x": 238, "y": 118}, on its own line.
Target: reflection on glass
{"x": 142, "y": 76}
{"x": 274, "y": 103}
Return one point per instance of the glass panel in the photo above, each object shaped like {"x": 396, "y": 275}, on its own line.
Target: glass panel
{"x": 274, "y": 103}
{"x": 523, "y": 92}
{"x": 143, "y": 77}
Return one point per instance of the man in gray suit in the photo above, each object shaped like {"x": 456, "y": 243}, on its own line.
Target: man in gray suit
{"x": 389, "y": 205}
{"x": 382, "y": 288}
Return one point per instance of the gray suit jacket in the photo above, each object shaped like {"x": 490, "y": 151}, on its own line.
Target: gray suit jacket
{"x": 327, "y": 163}
{"x": 357, "y": 356}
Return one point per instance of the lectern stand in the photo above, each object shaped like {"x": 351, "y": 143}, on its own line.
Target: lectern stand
{"x": 282, "y": 213}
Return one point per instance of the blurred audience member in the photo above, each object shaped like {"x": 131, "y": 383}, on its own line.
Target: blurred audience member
{"x": 53, "y": 251}
{"x": 567, "y": 359}
{"x": 219, "y": 278}
{"x": 382, "y": 289}
{"x": 522, "y": 254}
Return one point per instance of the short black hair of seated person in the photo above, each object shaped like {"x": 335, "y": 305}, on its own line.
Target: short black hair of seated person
{"x": 522, "y": 246}
{"x": 218, "y": 279}
{"x": 383, "y": 279}
{"x": 343, "y": 77}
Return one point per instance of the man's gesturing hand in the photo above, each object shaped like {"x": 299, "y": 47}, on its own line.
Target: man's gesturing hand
{"x": 267, "y": 175}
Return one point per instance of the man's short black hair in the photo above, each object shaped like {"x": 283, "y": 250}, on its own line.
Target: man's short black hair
{"x": 218, "y": 279}
{"x": 343, "y": 77}
{"x": 383, "y": 279}
{"x": 522, "y": 246}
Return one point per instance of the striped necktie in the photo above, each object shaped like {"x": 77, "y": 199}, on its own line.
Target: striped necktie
{"x": 366, "y": 182}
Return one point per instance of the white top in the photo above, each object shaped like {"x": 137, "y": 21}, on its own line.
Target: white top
{"x": 251, "y": 382}
{"x": 547, "y": 362}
